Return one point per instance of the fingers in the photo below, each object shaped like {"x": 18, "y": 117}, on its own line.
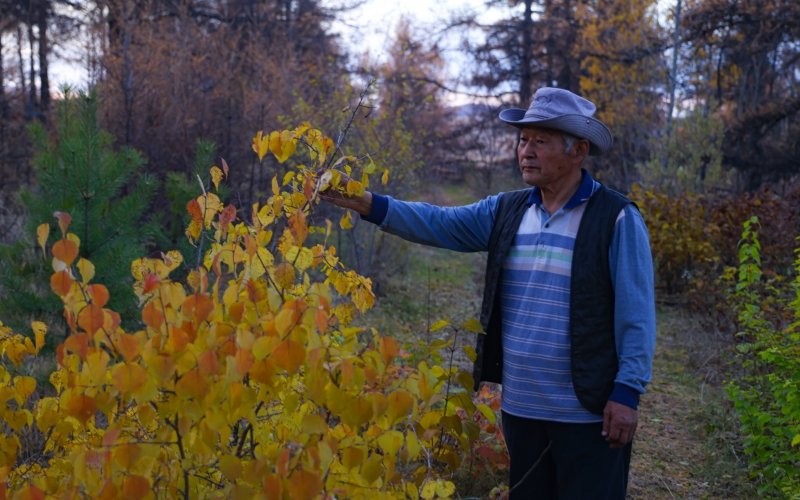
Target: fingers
{"x": 619, "y": 424}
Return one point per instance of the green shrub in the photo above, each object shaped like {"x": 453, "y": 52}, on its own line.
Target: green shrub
{"x": 767, "y": 394}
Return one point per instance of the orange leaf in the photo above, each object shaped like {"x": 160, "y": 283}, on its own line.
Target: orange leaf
{"x": 81, "y": 407}
{"x": 160, "y": 365}
{"x": 289, "y": 355}
{"x": 207, "y": 363}
{"x": 64, "y": 220}
{"x": 30, "y": 493}
{"x": 192, "y": 385}
{"x": 99, "y": 294}
{"x": 128, "y": 377}
{"x": 389, "y": 349}
{"x": 61, "y": 282}
{"x": 128, "y": 346}
{"x": 66, "y": 251}
{"x": 298, "y": 226}
{"x": 227, "y": 216}
{"x": 262, "y": 372}
{"x": 193, "y": 207}
{"x": 244, "y": 360}
{"x": 321, "y": 318}
{"x": 197, "y": 307}
{"x": 135, "y": 487}
{"x": 91, "y": 318}
{"x": 304, "y": 484}
{"x": 77, "y": 343}
{"x": 177, "y": 340}
{"x": 272, "y": 486}
{"x": 400, "y": 404}
{"x": 152, "y": 315}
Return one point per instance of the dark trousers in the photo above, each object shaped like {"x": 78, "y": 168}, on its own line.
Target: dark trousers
{"x": 574, "y": 461}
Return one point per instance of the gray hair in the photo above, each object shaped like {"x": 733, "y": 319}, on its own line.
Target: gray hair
{"x": 569, "y": 141}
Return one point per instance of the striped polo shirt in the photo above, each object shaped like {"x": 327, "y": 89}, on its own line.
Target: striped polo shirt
{"x": 537, "y": 378}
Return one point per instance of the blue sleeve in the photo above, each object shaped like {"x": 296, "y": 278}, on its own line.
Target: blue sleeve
{"x": 631, "y": 266}
{"x": 465, "y": 229}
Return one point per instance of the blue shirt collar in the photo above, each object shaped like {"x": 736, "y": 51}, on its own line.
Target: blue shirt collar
{"x": 585, "y": 191}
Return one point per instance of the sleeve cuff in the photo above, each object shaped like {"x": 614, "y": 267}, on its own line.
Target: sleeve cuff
{"x": 380, "y": 206}
{"x": 624, "y": 395}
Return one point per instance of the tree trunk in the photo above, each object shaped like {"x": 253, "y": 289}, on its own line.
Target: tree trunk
{"x": 32, "y": 108}
{"x": 3, "y": 101}
{"x": 21, "y": 62}
{"x": 526, "y": 75}
{"x": 673, "y": 78}
{"x": 44, "y": 49}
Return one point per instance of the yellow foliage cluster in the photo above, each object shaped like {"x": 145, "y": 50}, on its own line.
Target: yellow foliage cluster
{"x": 246, "y": 380}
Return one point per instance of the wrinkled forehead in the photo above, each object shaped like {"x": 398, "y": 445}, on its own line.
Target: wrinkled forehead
{"x": 530, "y": 132}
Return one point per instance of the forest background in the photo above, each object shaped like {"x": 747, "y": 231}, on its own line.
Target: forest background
{"x": 702, "y": 95}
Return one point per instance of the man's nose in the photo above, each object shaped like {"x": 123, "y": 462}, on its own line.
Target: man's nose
{"x": 527, "y": 150}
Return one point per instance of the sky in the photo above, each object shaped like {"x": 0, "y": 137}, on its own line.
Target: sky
{"x": 367, "y": 28}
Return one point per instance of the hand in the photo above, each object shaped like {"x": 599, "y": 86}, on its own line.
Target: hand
{"x": 619, "y": 424}
{"x": 360, "y": 203}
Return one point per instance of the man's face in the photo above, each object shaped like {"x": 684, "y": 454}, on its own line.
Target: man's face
{"x": 542, "y": 159}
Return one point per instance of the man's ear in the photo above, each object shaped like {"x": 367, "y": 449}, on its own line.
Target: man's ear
{"x": 581, "y": 148}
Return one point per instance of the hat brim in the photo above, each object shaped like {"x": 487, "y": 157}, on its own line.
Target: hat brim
{"x": 584, "y": 127}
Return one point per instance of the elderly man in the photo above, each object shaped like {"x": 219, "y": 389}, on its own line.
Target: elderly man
{"x": 568, "y": 303}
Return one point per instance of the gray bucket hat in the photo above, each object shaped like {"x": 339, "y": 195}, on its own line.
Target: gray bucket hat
{"x": 562, "y": 110}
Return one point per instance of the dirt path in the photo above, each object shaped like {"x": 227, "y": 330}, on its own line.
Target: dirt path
{"x": 685, "y": 446}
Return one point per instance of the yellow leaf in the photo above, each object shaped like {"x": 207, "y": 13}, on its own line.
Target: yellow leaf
{"x": 372, "y": 468}
{"x": 86, "y": 268}
{"x": 276, "y": 190}
{"x": 39, "y": 331}
{"x": 439, "y": 325}
{"x": 445, "y": 489}
{"x": 231, "y": 467}
{"x": 487, "y": 412}
{"x": 400, "y": 404}
{"x": 471, "y": 354}
{"x": 216, "y": 176}
{"x": 42, "y": 232}
{"x": 263, "y": 346}
{"x": 24, "y": 387}
{"x": 314, "y": 424}
{"x": 354, "y": 188}
{"x": 282, "y": 144}
{"x": 412, "y": 445}
{"x": 260, "y": 144}
{"x": 428, "y": 490}
{"x": 352, "y": 457}
{"x": 385, "y": 177}
{"x": 472, "y": 325}
{"x": 346, "y": 222}
{"x": 391, "y": 442}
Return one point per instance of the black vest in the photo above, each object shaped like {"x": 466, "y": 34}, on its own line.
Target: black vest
{"x": 594, "y": 353}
